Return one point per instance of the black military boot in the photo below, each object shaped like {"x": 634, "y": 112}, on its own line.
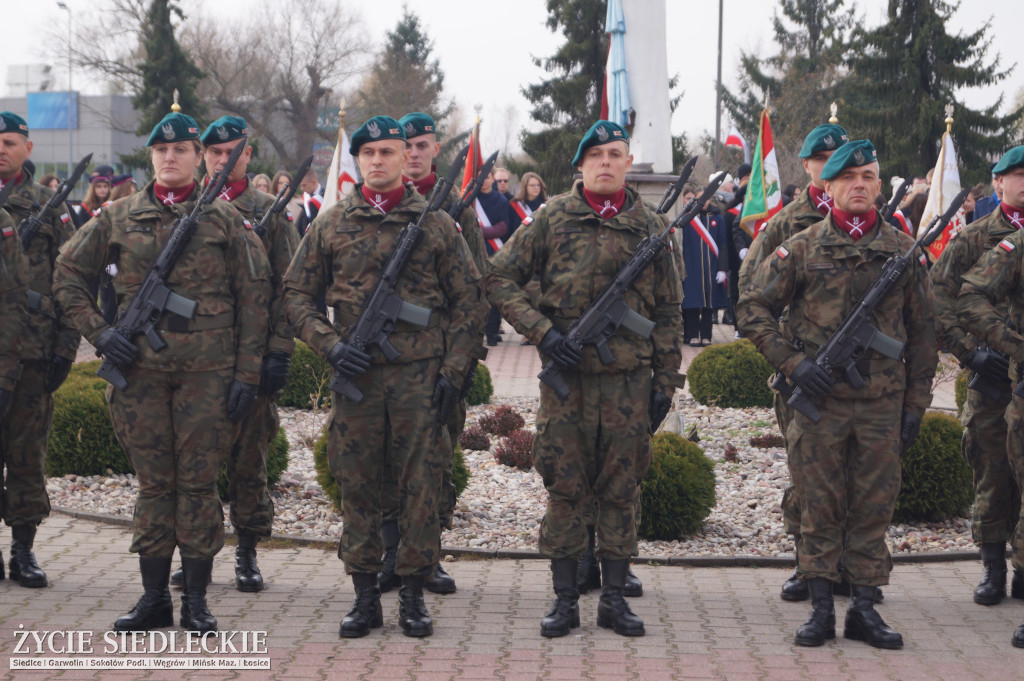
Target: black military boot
{"x": 177, "y": 579}
{"x": 387, "y": 579}
{"x": 247, "y": 572}
{"x": 863, "y": 623}
{"x": 441, "y": 582}
{"x": 565, "y": 611}
{"x": 24, "y": 568}
{"x": 195, "y": 616}
{"x": 992, "y": 588}
{"x": 412, "y": 611}
{"x": 365, "y": 613}
{"x": 634, "y": 587}
{"x": 155, "y": 609}
{"x": 795, "y": 589}
{"x": 1018, "y": 637}
{"x": 821, "y": 625}
{"x": 1016, "y": 586}
{"x": 612, "y": 610}
{"x": 1, "y": 567}
{"x": 588, "y": 573}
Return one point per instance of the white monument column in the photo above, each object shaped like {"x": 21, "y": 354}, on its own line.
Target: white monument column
{"x": 647, "y": 71}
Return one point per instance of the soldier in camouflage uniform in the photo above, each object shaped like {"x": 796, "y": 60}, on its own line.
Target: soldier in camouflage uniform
{"x": 991, "y": 308}
{"x": 48, "y": 348}
{"x": 176, "y": 418}
{"x": 847, "y": 466}
{"x": 996, "y": 495}
{"x": 596, "y": 442}
{"x": 400, "y": 421}
{"x": 808, "y": 208}
{"x": 421, "y": 135}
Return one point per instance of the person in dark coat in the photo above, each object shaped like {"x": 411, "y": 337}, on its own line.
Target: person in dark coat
{"x": 706, "y": 260}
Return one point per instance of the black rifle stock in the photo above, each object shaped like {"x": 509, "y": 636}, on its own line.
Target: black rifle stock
{"x": 675, "y": 189}
{"x": 856, "y": 335}
{"x": 610, "y": 311}
{"x": 31, "y": 225}
{"x": 283, "y": 197}
{"x": 384, "y": 308}
{"x": 473, "y": 189}
{"x": 154, "y": 297}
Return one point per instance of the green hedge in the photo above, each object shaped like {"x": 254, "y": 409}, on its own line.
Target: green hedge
{"x": 309, "y": 378}
{"x": 678, "y": 491}
{"x": 730, "y": 375}
{"x": 277, "y": 464}
{"x": 937, "y": 483}
{"x": 481, "y": 390}
{"x": 82, "y": 439}
{"x": 960, "y": 392}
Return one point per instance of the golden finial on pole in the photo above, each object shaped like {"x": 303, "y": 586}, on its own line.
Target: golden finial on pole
{"x": 478, "y": 108}
{"x": 949, "y": 118}
{"x": 833, "y": 109}
{"x": 175, "y": 107}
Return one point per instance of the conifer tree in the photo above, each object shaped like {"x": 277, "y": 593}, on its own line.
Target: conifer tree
{"x": 165, "y": 68}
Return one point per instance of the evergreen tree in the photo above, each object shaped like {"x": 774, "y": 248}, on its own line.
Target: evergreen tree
{"x": 904, "y": 73}
{"x": 165, "y": 67}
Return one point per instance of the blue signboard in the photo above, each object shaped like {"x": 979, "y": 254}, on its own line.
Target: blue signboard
{"x": 49, "y": 110}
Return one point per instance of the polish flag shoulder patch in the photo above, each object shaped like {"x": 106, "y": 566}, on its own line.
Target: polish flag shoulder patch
{"x": 782, "y": 252}
{"x": 248, "y": 225}
{"x": 8, "y": 232}
{"x": 528, "y": 219}
{"x": 922, "y": 259}
{"x": 1006, "y": 245}
{"x": 65, "y": 218}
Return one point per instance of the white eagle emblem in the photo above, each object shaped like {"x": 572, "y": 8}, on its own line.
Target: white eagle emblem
{"x": 602, "y": 134}
{"x": 829, "y": 141}
{"x": 168, "y": 130}
{"x": 858, "y": 157}
{"x": 222, "y": 133}
{"x": 409, "y": 128}
{"x": 373, "y": 129}
{"x": 3, "y": 124}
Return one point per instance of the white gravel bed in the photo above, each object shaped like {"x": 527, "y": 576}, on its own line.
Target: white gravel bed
{"x": 502, "y": 507}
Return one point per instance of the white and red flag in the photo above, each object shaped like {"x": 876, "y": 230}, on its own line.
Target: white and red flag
{"x": 945, "y": 186}
{"x": 736, "y": 141}
{"x": 341, "y": 177}
{"x": 764, "y": 195}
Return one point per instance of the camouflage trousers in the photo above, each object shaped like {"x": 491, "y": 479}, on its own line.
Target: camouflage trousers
{"x": 24, "y": 434}
{"x": 593, "y": 447}
{"x": 590, "y": 516}
{"x": 176, "y": 432}
{"x": 790, "y": 496}
{"x": 394, "y": 427}
{"x": 847, "y": 468}
{"x": 1015, "y": 450}
{"x": 252, "y": 509}
{"x": 984, "y": 447}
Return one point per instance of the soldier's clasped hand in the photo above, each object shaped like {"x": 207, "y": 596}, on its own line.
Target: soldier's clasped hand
{"x": 811, "y": 378}
{"x": 444, "y": 399}
{"x": 115, "y": 346}
{"x": 989, "y": 364}
{"x": 348, "y": 360}
{"x": 241, "y": 397}
{"x": 560, "y": 349}
{"x": 276, "y": 366}
{"x": 658, "y": 408}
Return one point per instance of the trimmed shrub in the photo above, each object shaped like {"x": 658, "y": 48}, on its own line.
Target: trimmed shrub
{"x": 481, "y": 389}
{"x": 309, "y": 379}
{"x": 82, "y": 439}
{"x": 678, "y": 491}
{"x": 730, "y": 375}
{"x": 767, "y": 441}
{"x": 475, "y": 439}
{"x": 460, "y": 473}
{"x": 277, "y": 463}
{"x": 516, "y": 450}
{"x": 502, "y": 421}
{"x": 937, "y": 483}
{"x": 960, "y": 391}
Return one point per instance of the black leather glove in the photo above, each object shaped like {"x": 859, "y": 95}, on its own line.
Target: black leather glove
{"x": 348, "y": 360}
{"x": 241, "y": 397}
{"x": 658, "y": 408}
{"x": 445, "y": 397}
{"x": 811, "y": 378}
{"x": 990, "y": 365}
{"x": 560, "y": 349}
{"x": 57, "y": 372}
{"x": 908, "y": 431}
{"x": 275, "y": 371}
{"x": 115, "y": 346}
{"x": 6, "y": 396}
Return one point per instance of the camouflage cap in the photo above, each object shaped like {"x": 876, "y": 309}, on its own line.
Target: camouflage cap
{"x": 600, "y": 133}
{"x": 1014, "y": 158}
{"x": 376, "y": 129}
{"x": 225, "y": 129}
{"x": 417, "y": 124}
{"x": 825, "y": 137}
{"x": 12, "y": 122}
{"x": 173, "y": 128}
{"x": 851, "y": 154}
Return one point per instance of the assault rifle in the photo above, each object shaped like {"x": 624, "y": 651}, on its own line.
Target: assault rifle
{"x": 283, "y": 197}
{"x": 31, "y": 225}
{"x": 154, "y": 297}
{"x": 383, "y": 308}
{"x": 897, "y": 198}
{"x": 610, "y": 311}
{"x": 473, "y": 189}
{"x": 676, "y": 188}
{"x": 856, "y": 335}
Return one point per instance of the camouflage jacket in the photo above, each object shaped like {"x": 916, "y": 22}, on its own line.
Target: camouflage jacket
{"x": 13, "y": 314}
{"x": 576, "y": 253}
{"x": 959, "y": 256}
{"x": 820, "y": 274}
{"x": 279, "y": 241}
{"x": 995, "y": 281}
{"x": 343, "y": 254}
{"x": 223, "y": 269}
{"x": 47, "y": 330}
{"x": 470, "y": 229}
{"x": 796, "y": 217}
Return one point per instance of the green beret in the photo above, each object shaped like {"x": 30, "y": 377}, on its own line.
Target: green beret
{"x": 173, "y": 128}
{"x": 600, "y": 133}
{"x": 376, "y": 129}
{"x": 826, "y": 137}
{"x": 852, "y": 154}
{"x": 12, "y": 122}
{"x": 225, "y": 129}
{"x": 1014, "y": 158}
{"x": 416, "y": 124}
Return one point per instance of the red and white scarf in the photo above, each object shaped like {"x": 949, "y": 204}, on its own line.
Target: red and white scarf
{"x": 821, "y": 200}
{"x": 605, "y": 205}
{"x": 1013, "y": 214}
{"x": 854, "y": 224}
{"x": 481, "y": 217}
{"x": 383, "y": 201}
{"x": 170, "y": 196}
{"x": 16, "y": 180}
{"x": 704, "y": 234}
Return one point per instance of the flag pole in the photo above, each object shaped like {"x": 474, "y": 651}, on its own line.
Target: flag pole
{"x": 833, "y": 110}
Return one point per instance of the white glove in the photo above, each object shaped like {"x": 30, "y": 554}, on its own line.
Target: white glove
{"x": 721, "y": 277}
{"x": 112, "y": 269}
{"x": 743, "y": 253}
